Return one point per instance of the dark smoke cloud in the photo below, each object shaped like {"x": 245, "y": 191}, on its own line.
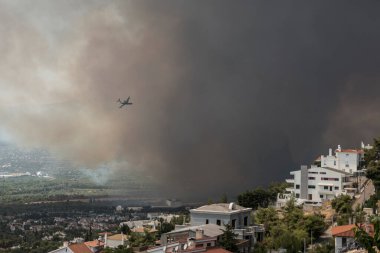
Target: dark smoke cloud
{"x": 226, "y": 95}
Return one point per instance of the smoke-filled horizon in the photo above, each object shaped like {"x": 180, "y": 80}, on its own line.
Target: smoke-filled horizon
{"x": 226, "y": 96}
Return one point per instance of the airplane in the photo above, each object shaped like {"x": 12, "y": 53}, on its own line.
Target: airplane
{"x": 125, "y": 102}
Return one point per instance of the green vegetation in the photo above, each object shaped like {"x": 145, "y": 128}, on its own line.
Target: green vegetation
{"x": 370, "y": 243}
{"x": 372, "y": 164}
{"x": 228, "y": 239}
{"x": 261, "y": 197}
{"x": 290, "y": 230}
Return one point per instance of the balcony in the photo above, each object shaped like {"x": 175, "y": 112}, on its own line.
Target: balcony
{"x": 290, "y": 180}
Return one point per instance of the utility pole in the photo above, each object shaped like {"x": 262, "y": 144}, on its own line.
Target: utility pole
{"x": 304, "y": 245}
{"x": 311, "y": 239}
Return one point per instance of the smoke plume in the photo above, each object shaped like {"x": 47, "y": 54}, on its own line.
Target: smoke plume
{"x": 227, "y": 95}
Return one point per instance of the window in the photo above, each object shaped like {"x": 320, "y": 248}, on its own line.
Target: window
{"x": 218, "y": 222}
{"x": 336, "y": 187}
{"x": 297, "y": 195}
{"x": 334, "y": 163}
{"x": 206, "y": 221}
{"x": 311, "y": 178}
{"x": 245, "y": 221}
{"x": 311, "y": 186}
{"x": 209, "y": 244}
{"x": 234, "y": 223}
{"x": 310, "y": 197}
{"x": 329, "y": 179}
{"x": 325, "y": 187}
{"x": 322, "y": 172}
{"x": 313, "y": 172}
{"x": 347, "y": 165}
{"x": 321, "y": 196}
{"x": 344, "y": 241}
{"x": 297, "y": 186}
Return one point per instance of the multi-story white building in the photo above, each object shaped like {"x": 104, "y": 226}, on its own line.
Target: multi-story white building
{"x": 333, "y": 177}
{"x": 347, "y": 160}
{"x": 315, "y": 184}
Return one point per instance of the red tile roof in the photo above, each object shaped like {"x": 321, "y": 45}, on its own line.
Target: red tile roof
{"x": 359, "y": 151}
{"x": 79, "y": 248}
{"x": 94, "y": 243}
{"x": 217, "y": 250}
{"x": 348, "y": 230}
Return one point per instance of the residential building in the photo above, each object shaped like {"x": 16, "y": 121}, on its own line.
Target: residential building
{"x": 73, "y": 248}
{"x": 316, "y": 184}
{"x": 347, "y": 160}
{"x": 220, "y": 214}
{"x": 344, "y": 236}
{"x": 114, "y": 241}
{"x": 229, "y": 213}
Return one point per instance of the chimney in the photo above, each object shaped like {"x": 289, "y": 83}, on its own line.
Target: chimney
{"x": 330, "y": 152}
{"x": 198, "y": 234}
{"x": 339, "y": 148}
{"x": 65, "y": 244}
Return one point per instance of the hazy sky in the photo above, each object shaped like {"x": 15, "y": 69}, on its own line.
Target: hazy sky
{"x": 227, "y": 95}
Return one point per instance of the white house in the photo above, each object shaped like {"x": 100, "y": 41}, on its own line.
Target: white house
{"x": 344, "y": 236}
{"x": 220, "y": 214}
{"x": 347, "y": 160}
{"x": 316, "y": 184}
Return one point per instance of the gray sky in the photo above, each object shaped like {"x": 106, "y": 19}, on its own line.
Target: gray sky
{"x": 227, "y": 95}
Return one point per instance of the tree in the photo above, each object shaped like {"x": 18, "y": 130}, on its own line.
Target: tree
{"x": 367, "y": 241}
{"x": 228, "y": 239}
{"x": 224, "y": 198}
{"x": 268, "y": 217}
{"x": 372, "y": 164}
{"x": 125, "y": 229}
{"x": 343, "y": 207}
{"x": 256, "y": 198}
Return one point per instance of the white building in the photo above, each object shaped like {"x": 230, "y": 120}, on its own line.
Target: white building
{"x": 334, "y": 176}
{"x": 347, "y": 160}
{"x": 315, "y": 184}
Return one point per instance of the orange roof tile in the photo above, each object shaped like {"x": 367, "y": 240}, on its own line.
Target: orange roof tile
{"x": 79, "y": 248}
{"x": 350, "y": 151}
{"x": 94, "y": 243}
{"x": 217, "y": 250}
{"x": 348, "y": 230}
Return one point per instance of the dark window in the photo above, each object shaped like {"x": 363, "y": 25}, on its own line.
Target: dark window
{"x": 206, "y": 221}
{"x": 218, "y": 222}
{"x": 344, "y": 241}
{"x": 325, "y": 187}
{"x": 209, "y": 244}
{"x": 234, "y": 223}
{"x": 336, "y": 187}
{"x": 347, "y": 165}
{"x": 321, "y": 196}
{"x": 322, "y": 172}
{"x": 297, "y": 186}
{"x": 311, "y": 186}
{"x": 329, "y": 179}
{"x": 311, "y": 178}
{"x": 310, "y": 196}
{"x": 245, "y": 221}
{"x": 297, "y": 195}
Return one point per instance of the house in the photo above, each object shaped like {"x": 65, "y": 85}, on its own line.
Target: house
{"x": 347, "y": 160}
{"x": 344, "y": 236}
{"x": 315, "y": 184}
{"x": 144, "y": 230}
{"x": 229, "y": 213}
{"x": 116, "y": 240}
{"x": 220, "y": 214}
{"x": 73, "y": 248}
{"x": 95, "y": 246}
